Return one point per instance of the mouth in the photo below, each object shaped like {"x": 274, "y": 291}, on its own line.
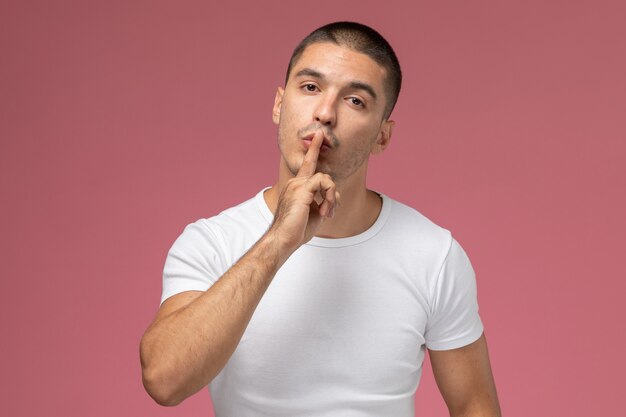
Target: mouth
{"x": 308, "y": 139}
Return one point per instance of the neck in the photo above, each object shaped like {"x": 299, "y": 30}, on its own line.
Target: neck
{"x": 358, "y": 209}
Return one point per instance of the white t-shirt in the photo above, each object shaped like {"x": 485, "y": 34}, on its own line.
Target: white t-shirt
{"x": 342, "y": 327}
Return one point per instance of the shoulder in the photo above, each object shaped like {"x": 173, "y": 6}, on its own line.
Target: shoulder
{"x": 409, "y": 226}
{"x": 230, "y": 232}
{"x": 414, "y": 242}
{"x": 245, "y": 221}
{"x": 240, "y": 216}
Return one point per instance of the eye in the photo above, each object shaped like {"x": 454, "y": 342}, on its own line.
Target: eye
{"x": 309, "y": 87}
{"x": 356, "y": 102}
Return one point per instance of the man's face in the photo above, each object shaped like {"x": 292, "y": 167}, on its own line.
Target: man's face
{"x": 341, "y": 92}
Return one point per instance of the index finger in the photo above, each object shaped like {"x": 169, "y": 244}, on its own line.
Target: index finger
{"x": 310, "y": 158}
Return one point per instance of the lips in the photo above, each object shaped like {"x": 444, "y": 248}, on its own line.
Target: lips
{"x": 306, "y": 143}
{"x": 308, "y": 139}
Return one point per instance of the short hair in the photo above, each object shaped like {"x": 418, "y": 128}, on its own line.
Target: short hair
{"x": 363, "y": 39}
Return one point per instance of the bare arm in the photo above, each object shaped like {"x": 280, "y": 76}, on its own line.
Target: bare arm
{"x": 195, "y": 333}
{"x": 465, "y": 380}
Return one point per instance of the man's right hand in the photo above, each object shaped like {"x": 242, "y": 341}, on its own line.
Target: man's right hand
{"x": 298, "y": 215}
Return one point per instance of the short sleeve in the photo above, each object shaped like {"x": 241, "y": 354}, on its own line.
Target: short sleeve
{"x": 454, "y": 321}
{"x": 195, "y": 261}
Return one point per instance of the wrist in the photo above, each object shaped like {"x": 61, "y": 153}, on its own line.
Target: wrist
{"x": 278, "y": 246}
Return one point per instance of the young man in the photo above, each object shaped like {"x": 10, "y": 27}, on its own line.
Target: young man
{"x": 319, "y": 296}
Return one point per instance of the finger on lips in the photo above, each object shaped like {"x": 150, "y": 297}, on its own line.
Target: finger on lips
{"x": 319, "y": 182}
{"x": 310, "y": 158}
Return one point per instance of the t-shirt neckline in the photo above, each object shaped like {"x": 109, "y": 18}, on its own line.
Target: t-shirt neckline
{"x": 337, "y": 242}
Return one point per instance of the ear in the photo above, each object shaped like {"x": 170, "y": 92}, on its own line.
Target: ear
{"x": 384, "y": 137}
{"x": 278, "y": 101}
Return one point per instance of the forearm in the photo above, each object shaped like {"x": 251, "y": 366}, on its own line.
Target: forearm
{"x": 482, "y": 410}
{"x": 184, "y": 351}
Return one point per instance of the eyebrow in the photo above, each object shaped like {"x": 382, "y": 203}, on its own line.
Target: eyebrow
{"x": 356, "y": 85}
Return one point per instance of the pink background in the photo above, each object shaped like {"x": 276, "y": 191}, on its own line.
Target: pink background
{"x": 121, "y": 122}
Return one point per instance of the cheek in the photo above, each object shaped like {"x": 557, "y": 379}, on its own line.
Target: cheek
{"x": 288, "y": 118}
{"x": 358, "y": 150}
{"x": 299, "y": 109}
{"x": 284, "y": 123}
{"x": 366, "y": 138}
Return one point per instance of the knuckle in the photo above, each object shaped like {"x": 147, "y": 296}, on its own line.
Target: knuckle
{"x": 323, "y": 176}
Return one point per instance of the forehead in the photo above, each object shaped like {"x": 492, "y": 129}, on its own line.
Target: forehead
{"x": 341, "y": 64}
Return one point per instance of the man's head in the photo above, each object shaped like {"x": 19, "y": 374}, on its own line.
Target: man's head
{"x": 365, "y": 40}
{"x": 342, "y": 91}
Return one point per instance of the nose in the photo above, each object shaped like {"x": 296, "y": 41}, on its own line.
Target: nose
{"x": 325, "y": 111}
